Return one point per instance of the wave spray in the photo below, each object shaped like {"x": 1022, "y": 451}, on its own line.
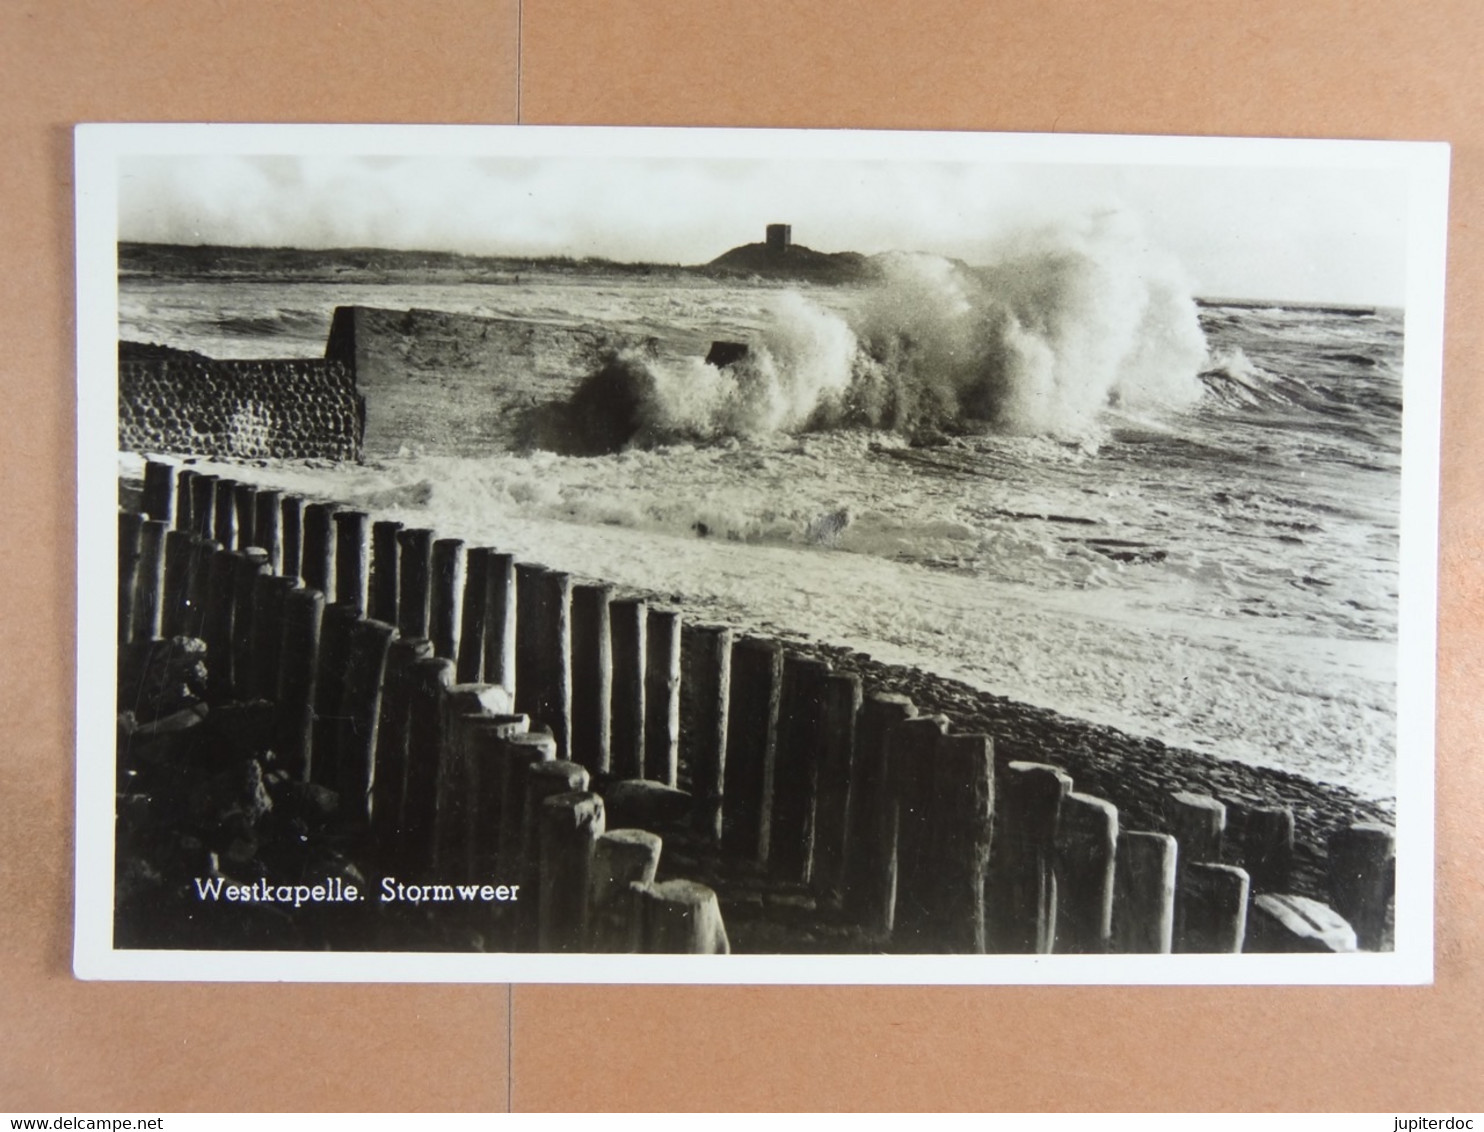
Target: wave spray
{"x": 1059, "y": 325}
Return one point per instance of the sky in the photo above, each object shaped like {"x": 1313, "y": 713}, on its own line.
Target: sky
{"x": 1315, "y": 234}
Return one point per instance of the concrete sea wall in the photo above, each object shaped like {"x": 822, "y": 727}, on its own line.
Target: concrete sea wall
{"x": 498, "y": 373}
{"x": 387, "y": 382}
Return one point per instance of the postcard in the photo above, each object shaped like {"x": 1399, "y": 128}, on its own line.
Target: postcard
{"x": 635, "y": 555}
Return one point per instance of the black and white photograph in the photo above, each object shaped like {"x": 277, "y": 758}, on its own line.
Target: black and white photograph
{"x": 522, "y": 554}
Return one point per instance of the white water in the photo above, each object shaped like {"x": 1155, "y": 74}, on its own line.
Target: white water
{"x": 1039, "y": 342}
{"x": 1253, "y": 616}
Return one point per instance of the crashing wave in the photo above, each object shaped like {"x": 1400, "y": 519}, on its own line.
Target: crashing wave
{"x": 1061, "y": 325}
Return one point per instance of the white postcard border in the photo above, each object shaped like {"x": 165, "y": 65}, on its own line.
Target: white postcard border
{"x": 100, "y": 148}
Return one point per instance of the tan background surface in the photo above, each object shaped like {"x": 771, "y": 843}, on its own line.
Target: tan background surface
{"x": 1309, "y": 68}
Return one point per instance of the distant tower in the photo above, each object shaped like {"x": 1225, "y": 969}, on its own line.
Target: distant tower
{"x": 779, "y": 237}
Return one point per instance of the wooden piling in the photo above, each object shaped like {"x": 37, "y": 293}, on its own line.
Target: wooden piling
{"x": 627, "y": 638}
{"x": 269, "y": 595}
{"x": 681, "y": 917}
{"x": 291, "y": 527}
{"x": 158, "y": 500}
{"x": 181, "y": 549}
{"x": 514, "y": 757}
{"x": 482, "y": 736}
{"x": 193, "y": 621}
{"x": 528, "y": 627}
{"x": 912, "y": 753}
{"x": 556, "y": 700}
{"x": 1144, "y": 893}
{"x": 216, "y": 627}
{"x": 360, "y": 713}
{"x": 268, "y": 527}
{"x": 1261, "y": 841}
{"x": 543, "y": 780}
{"x": 1362, "y": 879}
{"x": 461, "y": 702}
{"x": 352, "y": 552}
{"x": 1085, "y": 852}
{"x": 198, "y": 586}
{"x": 416, "y": 576}
{"x": 317, "y": 561}
{"x": 641, "y": 804}
{"x": 245, "y": 509}
{"x": 469, "y": 700}
{"x": 325, "y": 767}
{"x": 472, "y": 623}
{"x": 184, "y": 522}
{"x": 499, "y": 622}
{"x": 867, "y": 892}
{"x": 248, "y": 565}
{"x": 592, "y": 677}
{"x": 303, "y": 613}
{"x": 662, "y": 697}
{"x": 706, "y": 675}
{"x": 382, "y": 598}
{"x": 1210, "y": 908}
{"x": 1021, "y": 901}
{"x": 131, "y": 523}
{"x": 389, "y": 779}
{"x": 796, "y": 767}
{"x": 443, "y": 600}
{"x": 950, "y": 840}
{"x": 543, "y": 680}
{"x": 224, "y": 514}
{"x": 427, "y": 681}
{"x": 752, "y": 737}
{"x": 203, "y": 504}
{"x": 570, "y": 825}
{"x": 962, "y": 829}
{"x": 622, "y": 859}
{"x": 1197, "y": 822}
{"x": 842, "y": 702}
{"x": 149, "y": 592}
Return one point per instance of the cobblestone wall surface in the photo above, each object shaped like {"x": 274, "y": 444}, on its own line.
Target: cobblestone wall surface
{"x": 174, "y": 401}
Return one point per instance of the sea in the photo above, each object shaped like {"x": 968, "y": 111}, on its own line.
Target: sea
{"x": 1055, "y": 478}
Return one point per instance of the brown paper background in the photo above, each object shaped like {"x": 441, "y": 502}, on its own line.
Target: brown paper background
{"x": 1306, "y": 68}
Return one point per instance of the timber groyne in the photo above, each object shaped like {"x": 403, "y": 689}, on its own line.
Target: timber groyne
{"x": 312, "y": 695}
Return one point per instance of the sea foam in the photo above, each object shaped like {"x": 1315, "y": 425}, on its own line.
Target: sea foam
{"x": 1063, "y": 323}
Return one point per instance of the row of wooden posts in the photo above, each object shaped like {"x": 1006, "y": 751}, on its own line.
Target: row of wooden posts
{"x": 408, "y": 669}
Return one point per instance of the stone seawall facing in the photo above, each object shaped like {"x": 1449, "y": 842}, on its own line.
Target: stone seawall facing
{"x": 175, "y": 401}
